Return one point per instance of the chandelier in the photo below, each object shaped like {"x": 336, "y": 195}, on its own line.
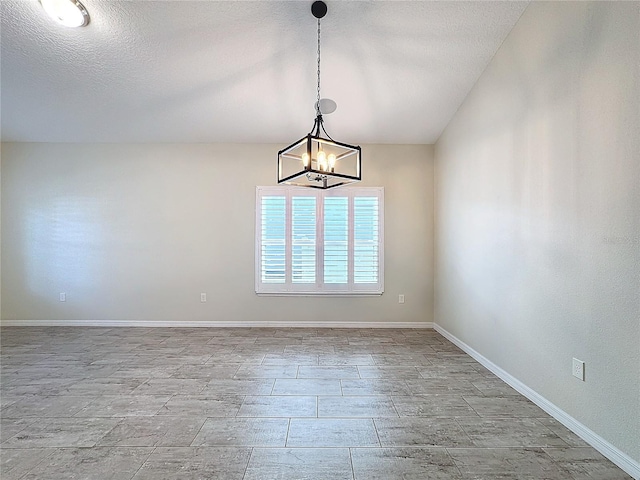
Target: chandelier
{"x": 317, "y": 160}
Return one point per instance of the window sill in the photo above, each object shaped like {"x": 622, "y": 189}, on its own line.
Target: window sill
{"x": 320, "y": 294}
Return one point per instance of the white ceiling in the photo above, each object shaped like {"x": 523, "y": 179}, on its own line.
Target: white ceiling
{"x": 236, "y": 71}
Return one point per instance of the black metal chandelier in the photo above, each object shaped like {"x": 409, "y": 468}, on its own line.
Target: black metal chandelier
{"x": 315, "y": 160}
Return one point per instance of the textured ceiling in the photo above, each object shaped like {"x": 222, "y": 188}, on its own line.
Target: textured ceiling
{"x": 231, "y": 71}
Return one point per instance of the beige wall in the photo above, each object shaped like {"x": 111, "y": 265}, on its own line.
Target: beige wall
{"x": 136, "y": 232}
{"x": 0, "y": 231}
{"x": 538, "y": 213}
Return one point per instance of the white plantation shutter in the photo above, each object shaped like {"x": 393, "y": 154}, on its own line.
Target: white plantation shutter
{"x": 273, "y": 235}
{"x": 316, "y": 242}
{"x": 365, "y": 239}
{"x": 303, "y": 239}
{"x": 336, "y": 240}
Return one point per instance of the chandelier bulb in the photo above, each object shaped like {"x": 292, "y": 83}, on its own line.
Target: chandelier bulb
{"x": 322, "y": 160}
{"x": 332, "y": 161}
{"x": 305, "y": 159}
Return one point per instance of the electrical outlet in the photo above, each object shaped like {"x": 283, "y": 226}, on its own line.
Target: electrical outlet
{"x": 63, "y": 297}
{"x": 203, "y": 298}
{"x": 578, "y": 369}
{"x": 401, "y": 298}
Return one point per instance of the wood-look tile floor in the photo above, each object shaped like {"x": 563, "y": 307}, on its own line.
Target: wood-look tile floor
{"x": 269, "y": 403}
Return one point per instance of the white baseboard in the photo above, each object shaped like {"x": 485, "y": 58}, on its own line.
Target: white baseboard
{"x": 209, "y": 324}
{"x": 618, "y": 457}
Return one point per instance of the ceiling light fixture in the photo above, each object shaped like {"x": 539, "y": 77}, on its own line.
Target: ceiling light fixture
{"x": 316, "y": 161}
{"x": 70, "y": 13}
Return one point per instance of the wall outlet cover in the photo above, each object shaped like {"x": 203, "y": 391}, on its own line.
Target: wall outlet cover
{"x": 578, "y": 369}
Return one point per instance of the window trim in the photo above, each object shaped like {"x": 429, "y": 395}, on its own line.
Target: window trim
{"x": 318, "y": 289}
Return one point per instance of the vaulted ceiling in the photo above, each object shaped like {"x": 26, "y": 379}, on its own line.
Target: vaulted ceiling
{"x": 236, "y": 71}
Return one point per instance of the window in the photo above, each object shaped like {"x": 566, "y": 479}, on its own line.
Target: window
{"x": 319, "y": 242}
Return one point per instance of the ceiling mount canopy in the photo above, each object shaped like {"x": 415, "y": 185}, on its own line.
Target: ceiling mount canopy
{"x": 317, "y": 160}
{"x": 319, "y": 9}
